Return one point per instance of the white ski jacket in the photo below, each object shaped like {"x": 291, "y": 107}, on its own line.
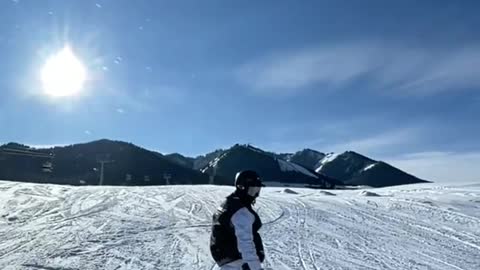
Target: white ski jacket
{"x": 242, "y": 222}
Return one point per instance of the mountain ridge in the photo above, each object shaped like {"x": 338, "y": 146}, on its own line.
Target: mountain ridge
{"x": 135, "y": 165}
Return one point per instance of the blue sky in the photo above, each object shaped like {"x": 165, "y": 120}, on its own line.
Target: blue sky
{"x": 397, "y": 80}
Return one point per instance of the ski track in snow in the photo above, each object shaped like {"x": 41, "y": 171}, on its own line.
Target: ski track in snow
{"x": 117, "y": 228}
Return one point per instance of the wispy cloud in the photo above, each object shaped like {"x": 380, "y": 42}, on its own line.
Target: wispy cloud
{"x": 404, "y": 70}
{"x": 340, "y": 135}
{"x": 87, "y": 132}
{"x": 448, "y": 167}
{"x": 380, "y": 143}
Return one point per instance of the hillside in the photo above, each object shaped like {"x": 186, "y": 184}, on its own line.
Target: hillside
{"x": 354, "y": 169}
{"x": 125, "y": 164}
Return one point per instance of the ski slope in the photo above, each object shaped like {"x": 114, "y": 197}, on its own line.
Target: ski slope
{"x": 53, "y": 227}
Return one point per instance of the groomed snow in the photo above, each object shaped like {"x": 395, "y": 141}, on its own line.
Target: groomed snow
{"x": 424, "y": 226}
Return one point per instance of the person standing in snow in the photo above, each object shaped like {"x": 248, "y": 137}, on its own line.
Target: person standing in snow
{"x": 235, "y": 242}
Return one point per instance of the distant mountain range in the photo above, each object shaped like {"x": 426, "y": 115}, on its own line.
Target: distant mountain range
{"x": 271, "y": 167}
{"x": 354, "y": 169}
{"x": 127, "y": 164}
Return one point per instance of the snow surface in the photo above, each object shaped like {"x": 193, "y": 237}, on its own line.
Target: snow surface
{"x": 289, "y": 191}
{"x": 425, "y": 226}
{"x": 289, "y": 166}
{"x": 214, "y": 163}
{"x": 328, "y": 158}
{"x": 369, "y": 167}
{"x": 326, "y": 193}
{"x": 368, "y": 193}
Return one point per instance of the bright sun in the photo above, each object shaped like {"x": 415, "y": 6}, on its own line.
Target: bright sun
{"x": 63, "y": 74}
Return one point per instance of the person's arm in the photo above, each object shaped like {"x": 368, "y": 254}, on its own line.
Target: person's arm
{"x": 242, "y": 222}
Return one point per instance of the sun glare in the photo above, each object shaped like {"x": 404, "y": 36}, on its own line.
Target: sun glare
{"x": 63, "y": 74}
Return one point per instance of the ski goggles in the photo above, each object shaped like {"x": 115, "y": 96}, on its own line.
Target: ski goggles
{"x": 254, "y": 191}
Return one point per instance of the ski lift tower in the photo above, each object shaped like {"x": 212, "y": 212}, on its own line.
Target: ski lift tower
{"x": 212, "y": 175}
{"x": 167, "y": 178}
{"x": 103, "y": 160}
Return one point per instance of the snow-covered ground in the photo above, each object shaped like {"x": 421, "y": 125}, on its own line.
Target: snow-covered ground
{"x": 424, "y": 226}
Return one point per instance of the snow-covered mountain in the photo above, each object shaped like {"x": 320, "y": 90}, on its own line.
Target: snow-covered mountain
{"x": 195, "y": 163}
{"x": 348, "y": 168}
{"x": 426, "y": 226}
{"x": 132, "y": 165}
{"x": 307, "y": 158}
{"x": 355, "y": 169}
{"x": 269, "y": 166}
